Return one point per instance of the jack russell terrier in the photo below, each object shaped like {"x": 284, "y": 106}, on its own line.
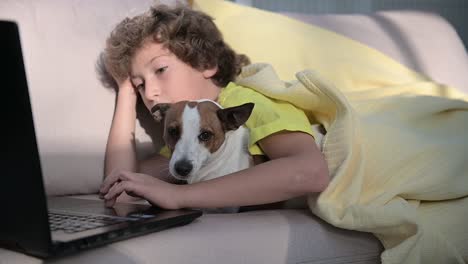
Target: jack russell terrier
{"x": 206, "y": 140}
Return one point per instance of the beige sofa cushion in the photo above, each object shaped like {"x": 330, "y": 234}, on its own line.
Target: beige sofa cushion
{"x": 271, "y": 236}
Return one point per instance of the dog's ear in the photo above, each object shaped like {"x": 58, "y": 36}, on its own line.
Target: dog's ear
{"x": 159, "y": 111}
{"x": 234, "y": 117}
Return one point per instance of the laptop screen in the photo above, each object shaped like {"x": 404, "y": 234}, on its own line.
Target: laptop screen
{"x": 23, "y": 221}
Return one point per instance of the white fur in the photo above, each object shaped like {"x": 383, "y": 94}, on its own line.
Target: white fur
{"x": 232, "y": 156}
{"x": 188, "y": 147}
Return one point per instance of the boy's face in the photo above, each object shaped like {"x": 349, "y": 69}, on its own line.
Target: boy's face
{"x": 160, "y": 77}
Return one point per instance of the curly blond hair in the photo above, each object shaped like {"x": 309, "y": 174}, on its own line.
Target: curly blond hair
{"x": 190, "y": 35}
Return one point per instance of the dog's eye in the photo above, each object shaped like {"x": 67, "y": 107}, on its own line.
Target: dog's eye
{"x": 173, "y": 131}
{"x": 205, "y": 136}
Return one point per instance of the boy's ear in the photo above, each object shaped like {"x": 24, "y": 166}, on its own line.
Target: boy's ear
{"x": 234, "y": 117}
{"x": 159, "y": 111}
{"x": 208, "y": 73}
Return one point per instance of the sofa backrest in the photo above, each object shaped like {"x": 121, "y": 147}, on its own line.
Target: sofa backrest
{"x": 61, "y": 41}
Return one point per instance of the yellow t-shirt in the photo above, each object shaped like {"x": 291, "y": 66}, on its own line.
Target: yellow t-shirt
{"x": 269, "y": 115}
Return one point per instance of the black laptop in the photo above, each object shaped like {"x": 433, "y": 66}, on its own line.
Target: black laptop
{"x": 44, "y": 226}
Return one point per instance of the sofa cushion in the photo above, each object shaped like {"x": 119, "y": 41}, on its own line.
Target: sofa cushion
{"x": 267, "y": 236}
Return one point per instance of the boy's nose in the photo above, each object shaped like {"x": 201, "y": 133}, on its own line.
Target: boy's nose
{"x": 151, "y": 94}
{"x": 151, "y": 90}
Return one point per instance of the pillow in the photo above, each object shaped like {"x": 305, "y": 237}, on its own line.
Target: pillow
{"x": 291, "y": 46}
{"x": 422, "y": 41}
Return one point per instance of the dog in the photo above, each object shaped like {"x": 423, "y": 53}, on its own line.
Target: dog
{"x": 206, "y": 140}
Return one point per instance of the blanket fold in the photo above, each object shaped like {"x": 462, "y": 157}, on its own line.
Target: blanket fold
{"x": 393, "y": 153}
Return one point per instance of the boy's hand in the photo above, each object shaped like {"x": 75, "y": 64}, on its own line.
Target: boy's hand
{"x": 126, "y": 89}
{"x": 153, "y": 190}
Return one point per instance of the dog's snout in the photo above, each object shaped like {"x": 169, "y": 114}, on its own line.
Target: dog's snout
{"x": 183, "y": 167}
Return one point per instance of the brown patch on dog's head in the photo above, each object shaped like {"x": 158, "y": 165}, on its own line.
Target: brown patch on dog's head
{"x": 211, "y": 129}
{"x": 234, "y": 117}
{"x": 173, "y": 123}
{"x": 192, "y": 104}
{"x": 214, "y": 121}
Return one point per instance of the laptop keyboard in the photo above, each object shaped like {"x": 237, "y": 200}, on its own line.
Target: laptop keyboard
{"x": 77, "y": 223}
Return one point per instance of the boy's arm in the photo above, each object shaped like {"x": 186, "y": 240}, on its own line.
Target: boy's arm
{"x": 120, "y": 148}
{"x": 297, "y": 167}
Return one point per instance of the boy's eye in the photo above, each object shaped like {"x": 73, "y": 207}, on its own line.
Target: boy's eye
{"x": 205, "y": 136}
{"x": 140, "y": 87}
{"x": 161, "y": 70}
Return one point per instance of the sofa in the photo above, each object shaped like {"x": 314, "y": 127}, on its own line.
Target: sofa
{"x": 72, "y": 110}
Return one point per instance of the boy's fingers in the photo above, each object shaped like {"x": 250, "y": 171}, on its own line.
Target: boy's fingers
{"x": 111, "y": 197}
{"x": 109, "y": 203}
{"x": 117, "y": 190}
{"x": 104, "y": 189}
{"x": 108, "y": 181}
{"x": 123, "y": 186}
{"x": 112, "y": 192}
{"x": 112, "y": 178}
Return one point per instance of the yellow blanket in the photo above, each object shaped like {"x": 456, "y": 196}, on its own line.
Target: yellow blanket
{"x": 399, "y": 161}
{"x": 397, "y": 143}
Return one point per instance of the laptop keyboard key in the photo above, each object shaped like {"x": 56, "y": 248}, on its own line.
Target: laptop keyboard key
{"x": 78, "y": 223}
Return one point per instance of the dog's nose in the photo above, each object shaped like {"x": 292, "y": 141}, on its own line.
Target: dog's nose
{"x": 183, "y": 167}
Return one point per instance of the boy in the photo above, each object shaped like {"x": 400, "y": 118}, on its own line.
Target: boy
{"x": 172, "y": 54}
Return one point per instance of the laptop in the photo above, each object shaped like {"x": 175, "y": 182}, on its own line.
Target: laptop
{"x": 42, "y": 226}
